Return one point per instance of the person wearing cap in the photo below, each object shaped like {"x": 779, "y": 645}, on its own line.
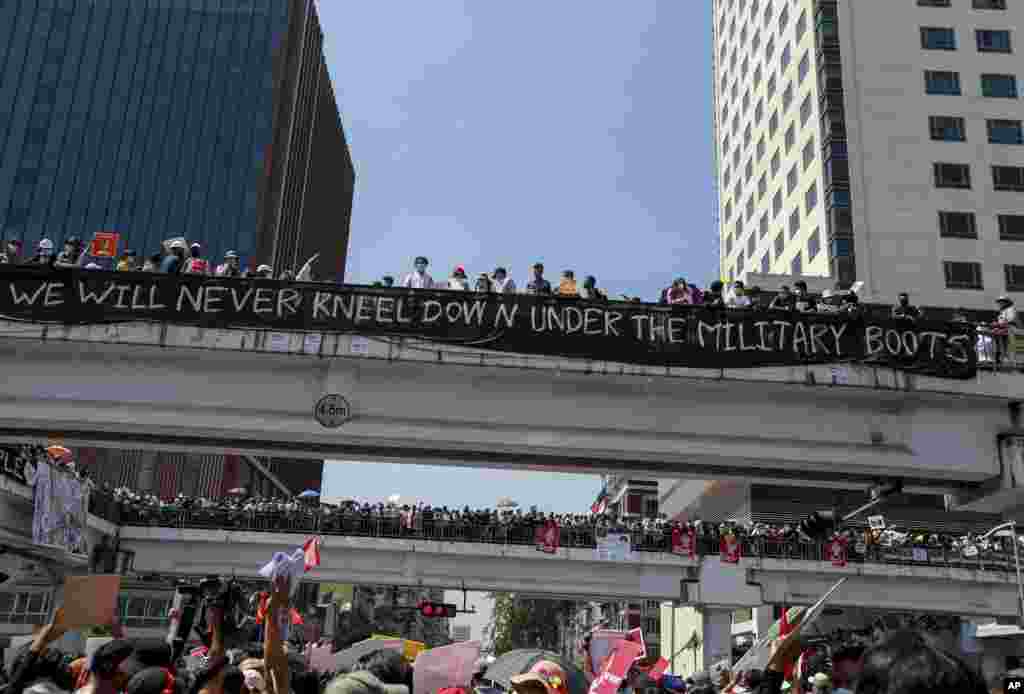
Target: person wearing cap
{"x": 458, "y": 279}
{"x": 501, "y": 283}
{"x": 538, "y": 285}
{"x": 418, "y": 278}
{"x": 174, "y": 261}
{"x": 903, "y": 310}
{"x": 544, "y": 677}
{"x": 44, "y": 254}
{"x": 262, "y": 272}
{"x": 127, "y": 261}
{"x": 231, "y": 267}
{"x": 387, "y": 281}
{"x": 196, "y": 264}
{"x": 11, "y": 252}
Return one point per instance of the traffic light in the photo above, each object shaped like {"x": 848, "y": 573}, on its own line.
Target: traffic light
{"x": 438, "y": 610}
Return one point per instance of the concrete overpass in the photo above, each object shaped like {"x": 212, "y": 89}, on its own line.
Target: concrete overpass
{"x": 170, "y": 387}
{"x": 574, "y": 573}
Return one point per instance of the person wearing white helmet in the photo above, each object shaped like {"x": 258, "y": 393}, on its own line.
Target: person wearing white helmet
{"x": 231, "y": 266}
{"x": 263, "y": 272}
{"x": 174, "y": 261}
{"x": 44, "y": 254}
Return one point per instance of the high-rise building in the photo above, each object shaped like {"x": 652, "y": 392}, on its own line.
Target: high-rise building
{"x": 872, "y": 141}
{"x": 213, "y": 120}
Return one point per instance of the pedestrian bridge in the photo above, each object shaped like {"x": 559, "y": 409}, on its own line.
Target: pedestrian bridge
{"x": 195, "y": 389}
{"x": 577, "y": 574}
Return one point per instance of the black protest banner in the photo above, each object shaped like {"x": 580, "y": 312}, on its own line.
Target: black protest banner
{"x": 681, "y": 336}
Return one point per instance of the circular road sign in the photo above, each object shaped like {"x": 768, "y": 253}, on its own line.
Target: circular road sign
{"x": 332, "y": 411}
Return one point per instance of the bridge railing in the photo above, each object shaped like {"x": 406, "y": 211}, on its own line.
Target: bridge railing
{"x": 392, "y": 527}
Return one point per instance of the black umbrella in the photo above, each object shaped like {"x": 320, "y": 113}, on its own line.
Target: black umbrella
{"x": 513, "y": 663}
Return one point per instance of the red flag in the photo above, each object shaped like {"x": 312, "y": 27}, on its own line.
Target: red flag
{"x": 656, "y": 672}
{"x": 311, "y": 551}
{"x": 684, "y": 542}
{"x": 547, "y": 537}
{"x": 730, "y": 549}
{"x": 264, "y": 607}
{"x": 836, "y": 552}
{"x": 786, "y": 628}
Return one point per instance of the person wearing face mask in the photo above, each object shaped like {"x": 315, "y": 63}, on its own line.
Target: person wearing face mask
{"x": 538, "y": 285}
{"x": 419, "y": 279}
{"x": 196, "y": 264}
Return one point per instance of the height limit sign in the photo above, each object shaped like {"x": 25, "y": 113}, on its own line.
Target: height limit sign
{"x": 332, "y": 411}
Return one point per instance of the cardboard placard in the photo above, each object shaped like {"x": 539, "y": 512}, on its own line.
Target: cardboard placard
{"x": 90, "y": 600}
{"x": 104, "y": 244}
{"x": 876, "y": 522}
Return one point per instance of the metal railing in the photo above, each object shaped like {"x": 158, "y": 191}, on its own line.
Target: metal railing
{"x": 524, "y": 534}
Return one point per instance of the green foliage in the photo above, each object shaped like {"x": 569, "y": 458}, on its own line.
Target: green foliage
{"x": 525, "y": 623}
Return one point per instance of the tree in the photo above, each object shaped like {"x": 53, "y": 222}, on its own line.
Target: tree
{"x": 519, "y": 622}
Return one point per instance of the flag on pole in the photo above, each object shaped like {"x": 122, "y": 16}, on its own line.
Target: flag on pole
{"x": 311, "y": 553}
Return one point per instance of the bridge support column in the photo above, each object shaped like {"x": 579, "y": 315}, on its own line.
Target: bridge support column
{"x": 717, "y": 636}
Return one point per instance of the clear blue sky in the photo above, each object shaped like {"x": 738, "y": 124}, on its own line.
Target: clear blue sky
{"x": 502, "y": 133}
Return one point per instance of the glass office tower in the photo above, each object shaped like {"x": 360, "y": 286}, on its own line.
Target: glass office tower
{"x": 209, "y": 119}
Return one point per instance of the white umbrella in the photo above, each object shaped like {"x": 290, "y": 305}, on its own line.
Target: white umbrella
{"x": 506, "y": 502}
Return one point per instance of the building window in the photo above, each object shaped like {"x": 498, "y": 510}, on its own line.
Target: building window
{"x": 766, "y": 263}
{"x": 770, "y": 88}
{"x": 933, "y": 3}
{"x": 762, "y": 186}
{"x": 751, "y": 245}
{"x": 739, "y": 262}
{"x": 776, "y": 163}
{"x": 1005, "y": 132}
{"x": 750, "y": 207}
{"x": 947, "y": 128}
{"x": 993, "y": 40}
{"x": 938, "y": 38}
{"x": 790, "y": 137}
{"x": 784, "y": 58}
{"x": 760, "y": 148}
{"x": 780, "y": 244}
{"x": 813, "y": 245}
{"x": 1011, "y": 227}
{"x": 958, "y": 225}
{"x": 1014, "y": 278}
{"x": 787, "y": 97}
{"x": 1008, "y": 178}
{"x": 988, "y": 4}
{"x": 749, "y": 170}
{"x": 777, "y": 203}
{"x": 805, "y": 110}
{"x": 801, "y": 25}
{"x": 794, "y": 222}
{"x": 804, "y": 68}
{"x": 999, "y": 86}
{"x": 773, "y": 124}
{"x": 728, "y": 210}
{"x": 962, "y": 275}
{"x": 747, "y": 134}
{"x": 762, "y": 227}
{"x": 791, "y": 180}
{"x": 783, "y": 18}
{"x": 728, "y": 244}
{"x": 942, "y": 82}
{"x": 952, "y": 175}
{"x": 726, "y": 177}
{"x": 759, "y": 111}
{"x": 796, "y": 267}
{"x": 808, "y": 153}
{"x": 811, "y": 198}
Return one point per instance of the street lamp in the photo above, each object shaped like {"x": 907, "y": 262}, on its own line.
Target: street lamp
{"x": 1012, "y": 525}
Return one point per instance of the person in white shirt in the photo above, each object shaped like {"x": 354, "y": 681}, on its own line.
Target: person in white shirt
{"x": 419, "y": 279}
{"x": 1007, "y": 319}
{"x": 503, "y": 284}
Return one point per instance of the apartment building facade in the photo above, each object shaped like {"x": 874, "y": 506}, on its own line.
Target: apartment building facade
{"x": 878, "y": 142}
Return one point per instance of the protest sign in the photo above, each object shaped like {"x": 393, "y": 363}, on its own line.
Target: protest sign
{"x": 616, "y": 667}
{"x": 447, "y": 666}
{"x": 90, "y": 600}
